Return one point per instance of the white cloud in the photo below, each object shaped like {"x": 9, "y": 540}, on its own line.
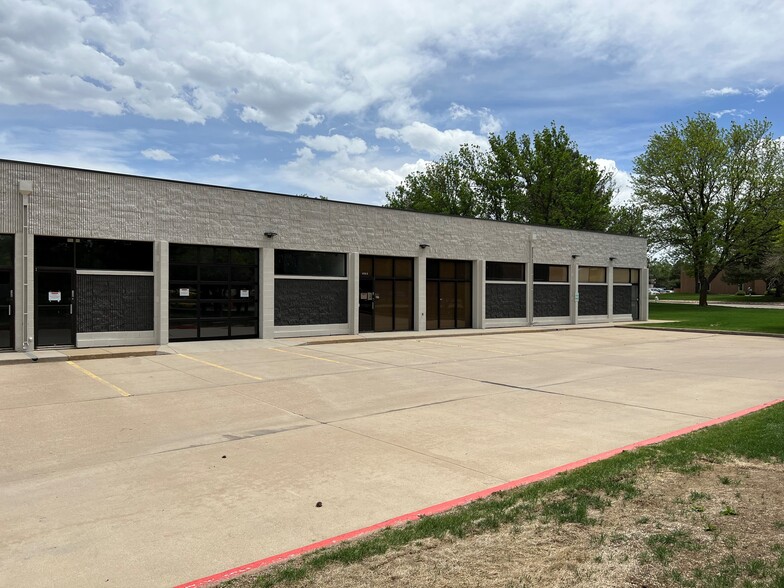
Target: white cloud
{"x": 218, "y": 158}
{"x": 423, "y": 137}
{"x": 623, "y": 181}
{"x": 336, "y": 143}
{"x": 198, "y": 60}
{"x": 459, "y": 112}
{"x": 725, "y": 91}
{"x": 731, "y": 112}
{"x": 761, "y": 93}
{"x": 158, "y": 155}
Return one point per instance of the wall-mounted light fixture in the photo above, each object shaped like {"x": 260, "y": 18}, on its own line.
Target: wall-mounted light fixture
{"x": 613, "y": 258}
{"x": 575, "y": 256}
{"x": 270, "y": 234}
{"x": 423, "y": 245}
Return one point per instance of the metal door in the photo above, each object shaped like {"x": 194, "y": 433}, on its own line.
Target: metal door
{"x": 54, "y": 320}
{"x": 6, "y": 309}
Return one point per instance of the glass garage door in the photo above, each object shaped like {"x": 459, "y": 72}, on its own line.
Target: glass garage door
{"x": 213, "y": 292}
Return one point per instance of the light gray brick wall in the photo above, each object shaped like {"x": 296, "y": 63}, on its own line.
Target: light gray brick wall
{"x": 76, "y": 203}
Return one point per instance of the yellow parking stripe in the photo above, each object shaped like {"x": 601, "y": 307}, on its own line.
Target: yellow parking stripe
{"x": 220, "y": 367}
{"x": 318, "y": 358}
{"x": 99, "y": 378}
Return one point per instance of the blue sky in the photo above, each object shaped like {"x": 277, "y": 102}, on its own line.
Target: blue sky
{"x": 344, "y": 99}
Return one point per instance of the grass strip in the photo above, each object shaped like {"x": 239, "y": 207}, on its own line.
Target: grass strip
{"x": 567, "y": 497}
{"x": 717, "y": 318}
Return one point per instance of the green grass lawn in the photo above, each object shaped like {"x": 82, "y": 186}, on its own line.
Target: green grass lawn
{"x": 720, "y": 298}
{"x": 719, "y": 318}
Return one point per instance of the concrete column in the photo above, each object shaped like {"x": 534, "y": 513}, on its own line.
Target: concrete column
{"x": 19, "y": 292}
{"x": 478, "y": 294}
{"x": 161, "y": 286}
{"x": 644, "y": 294}
{"x": 267, "y": 293}
{"x": 353, "y": 293}
{"x": 574, "y": 305}
{"x": 420, "y": 291}
{"x": 610, "y": 282}
{"x": 529, "y": 285}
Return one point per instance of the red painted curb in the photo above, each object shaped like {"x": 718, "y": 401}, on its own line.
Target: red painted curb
{"x": 438, "y": 508}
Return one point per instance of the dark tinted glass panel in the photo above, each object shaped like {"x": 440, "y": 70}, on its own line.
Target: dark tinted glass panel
{"x": 209, "y": 329}
{"x": 384, "y": 305}
{"x": 432, "y": 269}
{"x": 54, "y": 252}
{"x": 365, "y": 266}
{"x": 384, "y": 267}
{"x": 243, "y": 328}
{"x": 503, "y": 271}
{"x": 309, "y": 263}
{"x": 244, "y": 256}
{"x": 432, "y": 304}
{"x": 6, "y": 250}
{"x": 214, "y": 291}
{"x": 463, "y": 305}
{"x": 404, "y": 305}
{"x": 222, "y": 255}
{"x": 243, "y": 274}
{"x": 183, "y": 292}
{"x": 182, "y": 329}
{"x": 463, "y": 270}
{"x": 183, "y": 253}
{"x": 185, "y": 309}
{"x": 215, "y": 273}
{"x": 243, "y": 308}
{"x": 215, "y": 309}
{"x": 109, "y": 254}
{"x": 551, "y": 273}
{"x": 446, "y": 305}
{"x": 404, "y": 268}
{"x": 447, "y": 270}
{"x": 183, "y": 272}
{"x": 206, "y": 254}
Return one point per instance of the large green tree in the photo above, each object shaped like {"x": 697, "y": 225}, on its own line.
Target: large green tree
{"x": 711, "y": 195}
{"x": 540, "y": 179}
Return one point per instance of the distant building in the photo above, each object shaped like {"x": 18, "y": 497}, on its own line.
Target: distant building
{"x": 719, "y": 286}
{"x": 94, "y": 259}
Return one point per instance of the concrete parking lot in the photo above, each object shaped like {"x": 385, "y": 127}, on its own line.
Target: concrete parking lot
{"x": 152, "y": 471}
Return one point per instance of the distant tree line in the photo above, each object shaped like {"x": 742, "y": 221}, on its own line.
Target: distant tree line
{"x": 708, "y": 198}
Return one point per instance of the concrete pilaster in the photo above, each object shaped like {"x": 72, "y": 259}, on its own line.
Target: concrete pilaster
{"x": 529, "y": 285}
{"x": 19, "y": 292}
{"x": 420, "y": 291}
{"x": 161, "y": 286}
{"x": 478, "y": 294}
{"x": 644, "y": 294}
{"x": 574, "y": 271}
{"x": 267, "y": 293}
{"x": 610, "y": 282}
{"x": 353, "y": 293}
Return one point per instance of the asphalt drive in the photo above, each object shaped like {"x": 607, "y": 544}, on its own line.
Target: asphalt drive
{"x": 152, "y": 471}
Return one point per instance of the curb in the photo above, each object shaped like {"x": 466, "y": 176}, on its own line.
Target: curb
{"x": 443, "y": 506}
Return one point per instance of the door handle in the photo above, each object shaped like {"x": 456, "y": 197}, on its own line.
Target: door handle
{"x": 70, "y": 309}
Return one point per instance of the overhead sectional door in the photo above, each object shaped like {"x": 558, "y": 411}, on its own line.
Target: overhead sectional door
{"x": 213, "y": 292}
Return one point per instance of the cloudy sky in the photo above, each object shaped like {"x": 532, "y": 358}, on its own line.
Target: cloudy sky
{"x": 344, "y": 98}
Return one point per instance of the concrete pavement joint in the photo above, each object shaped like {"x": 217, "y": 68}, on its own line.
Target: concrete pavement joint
{"x": 526, "y": 389}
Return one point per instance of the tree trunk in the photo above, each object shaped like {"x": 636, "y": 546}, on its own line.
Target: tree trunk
{"x": 704, "y": 286}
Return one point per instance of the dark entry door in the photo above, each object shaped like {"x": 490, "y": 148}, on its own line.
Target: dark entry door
{"x": 635, "y": 302}
{"x": 54, "y": 321}
{"x": 6, "y": 310}
{"x": 366, "y": 304}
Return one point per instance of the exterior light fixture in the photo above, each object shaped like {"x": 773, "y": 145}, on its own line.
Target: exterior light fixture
{"x": 423, "y": 245}
{"x": 575, "y": 256}
{"x": 270, "y": 234}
